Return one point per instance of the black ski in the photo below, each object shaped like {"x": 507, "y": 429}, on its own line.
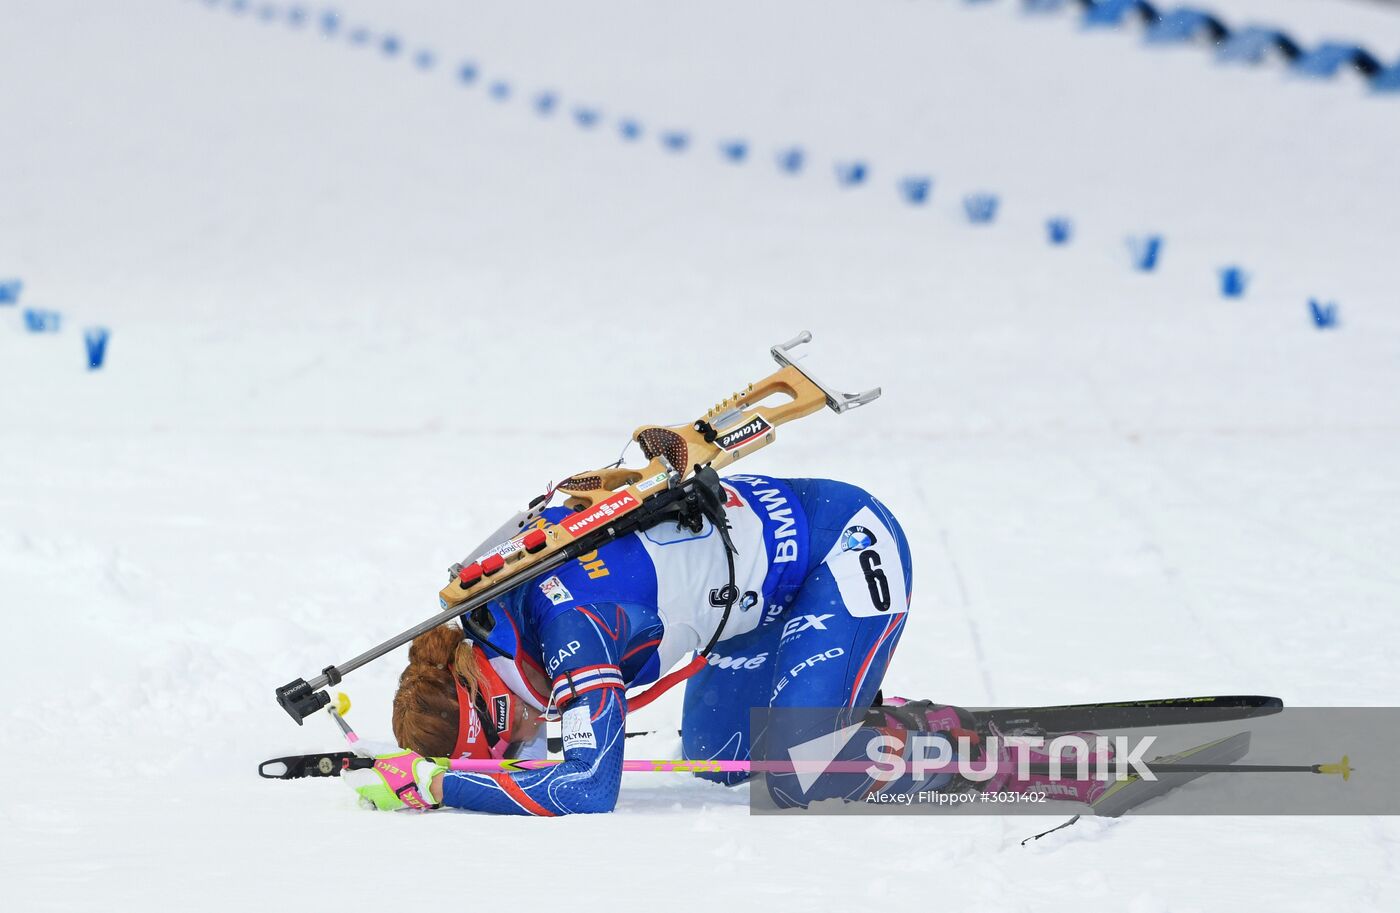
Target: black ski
{"x": 1172, "y": 771}
{"x": 1126, "y": 795}
{"x": 1168, "y": 711}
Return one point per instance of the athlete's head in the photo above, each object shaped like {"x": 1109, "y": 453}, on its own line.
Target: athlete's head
{"x": 452, "y": 704}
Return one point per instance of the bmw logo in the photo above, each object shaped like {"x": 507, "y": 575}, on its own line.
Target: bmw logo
{"x": 856, "y": 538}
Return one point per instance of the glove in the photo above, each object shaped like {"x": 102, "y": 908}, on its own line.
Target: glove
{"x": 397, "y": 781}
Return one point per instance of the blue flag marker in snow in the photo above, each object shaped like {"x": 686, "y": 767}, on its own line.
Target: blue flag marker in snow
{"x": 1233, "y": 281}
{"x": 675, "y": 140}
{"x": 467, "y": 73}
{"x": 1059, "y": 230}
{"x": 1145, "y": 250}
{"x": 1254, "y": 44}
{"x": 791, "y": 159}
{"x": 1387, "y": 79}
{"x": 330, "y": 22}
{"x": 981, "y": 208}
{"x": 1323, "y": 315}
{"x": 915, "y": 189}
{"x": 296, "y": 17}
{"x": 9, "y": 291}
{"x": 1110, "y": 13}
{"x": 587, "y": 118}
{"x": 95, "y": 339}
{"x": 735, "y": 150}
{"x": 1184, "y": 24}
{"x": 37, "y": 321}
{"x": 1325, "y": 60}
{"x": 629, "y": 129}
{"x": 851, "y": 174}
{"x": 545, "y": 103}
{"x": 424, "y": 59}
{"x": 390, "y": 45}
{"x": 499, "y": 90}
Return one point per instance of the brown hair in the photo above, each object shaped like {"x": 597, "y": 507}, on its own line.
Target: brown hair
{"x": 425, "y": 707}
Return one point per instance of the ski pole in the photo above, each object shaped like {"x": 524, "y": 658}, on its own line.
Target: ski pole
{"x": 331, "y": 764}
{"x": 1340, "y": 768}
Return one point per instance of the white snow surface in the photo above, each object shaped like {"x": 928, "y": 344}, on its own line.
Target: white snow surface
{"x": 360, "y": 313}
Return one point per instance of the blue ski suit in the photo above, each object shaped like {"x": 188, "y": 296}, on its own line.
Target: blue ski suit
{"x": 823, "y": 576}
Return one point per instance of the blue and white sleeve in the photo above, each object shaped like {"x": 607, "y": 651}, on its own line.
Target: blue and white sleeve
{"x": 582, "y": 647}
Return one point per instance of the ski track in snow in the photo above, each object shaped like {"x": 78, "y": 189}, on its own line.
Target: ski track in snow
{"x": 360, "y": 313}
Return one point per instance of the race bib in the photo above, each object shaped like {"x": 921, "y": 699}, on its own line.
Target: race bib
{"x": 866, "y": 565}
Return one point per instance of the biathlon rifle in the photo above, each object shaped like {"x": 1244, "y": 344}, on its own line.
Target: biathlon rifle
{"x": 679, "y": 483}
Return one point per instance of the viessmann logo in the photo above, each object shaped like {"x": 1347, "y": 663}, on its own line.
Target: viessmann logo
{"x": 615, "y": 506}
{"x": 733, "y": 440}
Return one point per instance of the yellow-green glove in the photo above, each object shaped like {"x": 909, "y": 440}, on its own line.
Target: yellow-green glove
{"x": 397, "y": 781}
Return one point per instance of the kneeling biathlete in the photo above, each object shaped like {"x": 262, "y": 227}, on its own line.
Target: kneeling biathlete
{"x": 823, "y": 579}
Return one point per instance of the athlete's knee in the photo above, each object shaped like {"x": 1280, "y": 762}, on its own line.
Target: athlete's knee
{"x": 715, "y": 736}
